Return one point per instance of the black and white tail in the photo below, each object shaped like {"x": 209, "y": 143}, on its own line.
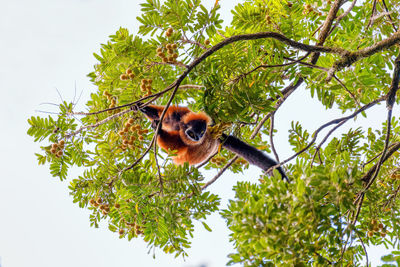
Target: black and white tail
{"x": 251, "y": 154}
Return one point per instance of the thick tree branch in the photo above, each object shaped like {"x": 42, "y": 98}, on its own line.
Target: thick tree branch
{"x": 351, "y": 57}
{"x": 339, "y": 18}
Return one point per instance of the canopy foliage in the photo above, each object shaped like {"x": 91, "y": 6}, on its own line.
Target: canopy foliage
{"x": 344, "y": 190}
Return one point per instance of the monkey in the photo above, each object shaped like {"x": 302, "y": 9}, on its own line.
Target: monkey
{"x": 187, "y": 133}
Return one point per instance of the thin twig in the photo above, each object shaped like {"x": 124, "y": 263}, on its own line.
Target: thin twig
{"x": 347, "y": 90}
{"x": 158, "y": 169}
{"x": 271, "y": 137}
{"x": 188, "y": 41}
{"x": 324, "y": 140}
{"x": 373, "y": 12}
{"x": 155, "y": 95}
{"x": 335, "y": 121}
{"x": 68, "y": 135}
{"x": 265, "y": 66}
{"x": 392, "y": 149}
{"x": 156, "y": 63}
{"x": 319, "y": 255}
{"x": 365, "y": 250}
{"x": 390, "y": 18}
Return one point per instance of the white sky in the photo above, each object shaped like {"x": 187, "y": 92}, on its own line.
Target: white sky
{"x": 48, "y": 44}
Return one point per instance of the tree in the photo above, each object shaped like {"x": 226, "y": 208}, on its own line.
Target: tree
{"x": 344, "y": 190}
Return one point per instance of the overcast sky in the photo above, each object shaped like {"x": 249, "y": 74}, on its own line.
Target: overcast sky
{"x": 45, "y": 46}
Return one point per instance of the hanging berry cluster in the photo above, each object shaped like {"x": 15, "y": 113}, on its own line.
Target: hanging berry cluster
{"x": 376, "y": 228}
{"x": 127, "y": 75}
{"x": 172, "y": 54}
{"x": 57, "y": 148}
{"x": 169, "y": 32}
{"x": 130, "y": 133}
{"x": 218, "y": 160}
{"x": 145, "y": 86}
{"x": 111, "y": 100}
{"x": 104, "y": 208}
{"x": 309, "y": 9}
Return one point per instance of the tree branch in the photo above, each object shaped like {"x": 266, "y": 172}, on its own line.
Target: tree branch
{"x": 351, "y": 57}
{"x": 338, "y": 19}
{"x": 271, "y": 137}
{"x": 390, "y": 18}
{"x": 335, "y": 121}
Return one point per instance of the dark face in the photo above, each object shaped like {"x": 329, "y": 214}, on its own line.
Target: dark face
{"x": 196, "y": 129}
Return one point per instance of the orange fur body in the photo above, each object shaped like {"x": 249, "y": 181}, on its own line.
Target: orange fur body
{"x": 172, "y": 135}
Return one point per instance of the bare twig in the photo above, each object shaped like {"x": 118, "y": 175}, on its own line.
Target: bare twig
{"x": 188, "y": 41}
{"x": 155, "y": 63}
{"x": 68, "y": 135}
{"x": 335, "y": 121}
{"x": 390, "y": 100}
{"x": 373, "y": 12}
{"x": 390, "y": 18}
{"x": 158, "y": 169}
{"x": 327, "y": 260}
{"x": 153, "y": 96}
{"x": 392, "y": 197}
{"x": 265, "y": 66}
{"x": 326, "y": 138}
{"x": 271, "y": 137}
{"x": 347, "y": 90}
{"x": 392, "y": 149}
{"x": 220, "y": 172}
{"x": 365, "y": 250}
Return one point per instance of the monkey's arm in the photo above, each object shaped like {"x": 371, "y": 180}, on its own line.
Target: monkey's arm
{"x": 250, "y": 153}
{"x": 170, "y": 140}
{"x": 153, "y": 112}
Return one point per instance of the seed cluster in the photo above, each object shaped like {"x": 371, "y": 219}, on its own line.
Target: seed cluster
{"x": 134, "y": 227}
{"x": 218, "y": 160}
{"x": 268, "y": 19}
{"x": 309, "y": 9}
{"x": 57, "y": 148}
{"x": 241, "y": 161}
{"x": 127, "y": 75}
{"x": 169, "y": 32}
{"x": 112, "y": 101}
{"x": 376, "y": 228}
{"x": 104, "y": 208}
{"x": 395, "y": 176}
{"x": 172, "y": 54}
{"x": 145, "y": 86}
{"x": 130, "y": 133}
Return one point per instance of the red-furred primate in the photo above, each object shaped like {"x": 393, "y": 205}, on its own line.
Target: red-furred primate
{"x": 187, "y": 133}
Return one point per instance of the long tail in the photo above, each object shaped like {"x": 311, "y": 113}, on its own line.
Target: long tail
{"x": 251, "y": 154}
